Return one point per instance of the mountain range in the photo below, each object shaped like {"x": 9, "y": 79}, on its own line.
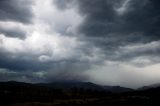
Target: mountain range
{"x": 66, "y": 85}
{"x": 69, "y": 93}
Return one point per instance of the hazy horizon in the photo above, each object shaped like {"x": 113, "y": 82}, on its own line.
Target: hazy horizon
{"x": 107, "y": 42}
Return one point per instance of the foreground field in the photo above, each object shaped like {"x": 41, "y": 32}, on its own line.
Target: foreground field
{"x": 23, "y": 94}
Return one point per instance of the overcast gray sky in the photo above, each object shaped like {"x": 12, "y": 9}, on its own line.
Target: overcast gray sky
{"x": 107, "y": 42}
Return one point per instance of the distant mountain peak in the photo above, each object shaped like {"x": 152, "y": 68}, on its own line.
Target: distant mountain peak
{"x": 150, "y": 86}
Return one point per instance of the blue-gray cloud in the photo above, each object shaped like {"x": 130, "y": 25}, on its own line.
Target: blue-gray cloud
{"x": 16, "y": 10}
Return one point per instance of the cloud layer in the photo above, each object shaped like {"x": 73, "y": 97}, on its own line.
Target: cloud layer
{"x": 109, "y": 42}
{"x": 17, "y": 10}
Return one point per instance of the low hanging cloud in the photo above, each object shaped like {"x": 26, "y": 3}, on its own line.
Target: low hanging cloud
{"x": 102, "y": 41}
{"x": 16, "y": 10}
{"x": 15, "y": 13}
{"x": 11, "y": 30}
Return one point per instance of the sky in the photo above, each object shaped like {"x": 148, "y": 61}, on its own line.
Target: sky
{"x": 107, "y": 42}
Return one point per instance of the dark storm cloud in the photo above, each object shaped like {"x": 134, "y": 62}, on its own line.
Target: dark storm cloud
{"x": 26, "y": 69}
{"x": 13, "y": 33}
{"x": 22, "y": 62}
{"x": 143, "y": 17}
{"x": 109, "y": 29}
{"x": 64, "y": 4}
{"x": 26, "y": 76}
{"x": 16, "y": 10}
{"x": 102, "y": 19}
